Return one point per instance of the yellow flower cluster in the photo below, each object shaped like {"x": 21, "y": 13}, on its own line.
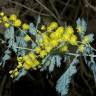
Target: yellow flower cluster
{"x": 30, "y": 61}
{"x": 12, "y": 20}
{"x": 55, "y": 34}
{"x": 27, "y": 62}
{"x": 14, "y": 73}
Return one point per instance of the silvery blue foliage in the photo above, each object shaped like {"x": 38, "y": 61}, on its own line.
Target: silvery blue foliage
{"x": 58, "y": 60}
{"x": 63, "y": 83}
{"x": 50, "y": 62}
{"x": 21, "y": 43}
{"x": 90, "y": 36}
{"x": 9, "y": 35}
{"x": 33, "y": 45}
{"x": 92, "y": 65}
{"x": 22, "y": 72}
{"x": 83, "y": 25}
{"x": 6, "y": 57}
{"x": 32, "y": 29}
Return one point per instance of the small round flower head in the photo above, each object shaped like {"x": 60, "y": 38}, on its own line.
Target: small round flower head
{"x": 5, "y": 19}
{"x": 79, "y": 29}
{"x": 37, "y": 50}
{"x": 88, "y": 38}
{"x": 1, "y": 13}
{"x": 73, "y": 40}
{"x": 25, "y": 26}
{"x": 69, "y": 30}
{"x": 66, "y": 37}
{"x": 52, "y": 26}
{"x": 43, "y": 27}
{"x": 64, "y": 48}
{"x": 16, "y": 73}
{"x": 48, "y": 48}
{"x": 13, "y": 17}
{"x": 17, "y": 23}
{"x": 54, "y": 43}
{"x": 6, "y": 25}
{"x": 0, "y": 21}
{"x": 27, "y": 38}
{"x": 81, "y": 48}
{"x": 43, "y": 53}
{"x": 32, "y": 56}
{"x": 60, "y": 30}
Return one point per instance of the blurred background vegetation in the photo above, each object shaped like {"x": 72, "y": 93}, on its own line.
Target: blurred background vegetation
{"x": 36, "y": 83}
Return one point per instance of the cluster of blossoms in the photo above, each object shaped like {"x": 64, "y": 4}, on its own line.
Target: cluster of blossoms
{"x": 12, "y": 20}
{"x": 52, "y": 37}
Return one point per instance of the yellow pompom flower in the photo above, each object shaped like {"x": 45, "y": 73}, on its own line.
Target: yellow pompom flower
{"x": 69, "y": 30}
{"x": 37, "y": 49}
{"x": 13, "y": 17}
{"x": 27, "y": 66}
{"x": 5, "y": 19}
{"x": 25, "y": 26}
{"x": 0, "y": 21}
{"x": 35, "y": 64}
{"x": 55, "y": 35}
{"x": 6, "y": 25}
{"x": 27, "y": 38}
{"x": 86, "y": 39}
{"x": 60, "y": 30}
{"x": 19, "y": 65}
{"x": 54, "y": 43}
{"x": 41, "y": 41}
{"x": 73, "y": 40}
{"x": 66, "y": 37}
{"x": 11, "y": 71}
{"x": 20, "y": 61}
{"x": 64, "y": 48}
{"x": 78, "y": 29}
{"x": 30, "y": 61}
{"x": 43, "y": 53}
{"x": 45, "y": 39}
{"x": 27, "y": 59}
{"x": 52, "y": 26}
{"x": 16, "y": 73}
{"x": 1, "y": 13}
{"x": 43, "y": 27}
{"x": 17, "y": 23}
{"x": 48, "y": 48}
{"x": 32, "y": 56}
{"x": 81, "y": 48}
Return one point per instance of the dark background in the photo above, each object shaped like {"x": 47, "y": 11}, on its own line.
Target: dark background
{"x": 37, "y": 83}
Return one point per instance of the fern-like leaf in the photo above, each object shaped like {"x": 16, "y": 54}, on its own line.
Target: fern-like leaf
{"x": 64, "y": 81}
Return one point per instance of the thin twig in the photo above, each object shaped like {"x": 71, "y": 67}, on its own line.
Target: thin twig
{"x": 30, "y": 9}
{"x": 54, "y": 8}
{"x": 52, "y": 14}
{"x": 64, "y": 9}
{"x": 87, "y": 4}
